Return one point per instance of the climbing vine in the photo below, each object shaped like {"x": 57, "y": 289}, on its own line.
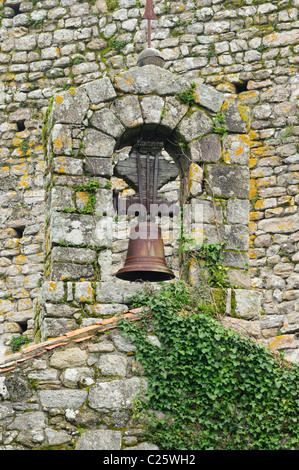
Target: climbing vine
{"x": 209, "y": 387}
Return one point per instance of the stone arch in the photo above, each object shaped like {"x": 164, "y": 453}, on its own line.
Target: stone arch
{"x": 83, "y": 130}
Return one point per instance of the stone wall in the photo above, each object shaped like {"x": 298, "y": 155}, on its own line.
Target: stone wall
{"x": 73, "y": 393}
{"x": 244, "y": 52}
{"x": 247, "y": 50}
{"x": 86, "y": 243}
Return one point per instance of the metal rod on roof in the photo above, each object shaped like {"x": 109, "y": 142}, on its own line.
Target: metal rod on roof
{"x": 139, "y": 178}
{"x": 148, "y": 170}
{"x": 149, "y": 14}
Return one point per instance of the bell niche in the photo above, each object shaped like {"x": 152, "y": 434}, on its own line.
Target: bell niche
{"x": 146, "y": 171}
{"x": 130, "y": 168}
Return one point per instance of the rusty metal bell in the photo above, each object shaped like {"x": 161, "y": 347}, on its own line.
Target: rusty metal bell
{"x": 145, "y": 259}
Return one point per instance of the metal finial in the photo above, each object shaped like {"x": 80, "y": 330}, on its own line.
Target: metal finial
{"x": 149, "y": 14}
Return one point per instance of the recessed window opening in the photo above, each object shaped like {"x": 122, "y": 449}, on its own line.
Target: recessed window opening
{"x": 20, "y": 126}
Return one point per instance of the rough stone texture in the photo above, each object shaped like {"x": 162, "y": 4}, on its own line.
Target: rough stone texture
{"x": 228, "y": 181}
{"x": 97, "y": 144}
{"x": 69, "y": 358}
{"x": 208, "y": 97}
{"x": 236, "y": 149}
{"x": 128, "y": 111}
{"x": 288, "y": 224}
{"x": 150, "y": 79}
{"x": 65, "y": 409}
{"x": 106, "y": 121}
{"x": 251, "y": 62}
{"x": 111, "y": 292}
{"x": 119, "y": 394}
{"x": 99, "y": 440}
{"x": 238, "y": 211}
{"x": 72, "y": 228}
{"x": 248, "y": 304}
{"x": 245, "y": 327}
{"x": 174, "y": 112}
{"x": 73, "y": 399}
{"x": 71, "y": 109}
{"x": 100, "y": 90}
{"x": 207, "y": 149}
{"x": 195, "y": 125}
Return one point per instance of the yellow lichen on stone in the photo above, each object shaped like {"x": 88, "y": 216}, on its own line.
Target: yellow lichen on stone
{"x": 195, "y": 173}
{"x": 83, "y": 197}
{"x": 59, "y": 99}
{"x": 128, "y": 192}
{"x": 253, "y": 134}
{"x": 21, "y": 259}
{"x": 260, "y": 204}
{"x": 244, "y": 112}
{"x": 118, "y": 183}
{"x": 12, "y": 243}
{"x": 252, "y": 227}
{"x": 5, "y": 170}
{"x": 52, "y": 286}
{"x": 252, "y": 162}
{"x": 60, "y": 161}
{"x": 24, "y": 182}
{"x": 252, "y": 254}
{"x": 130, "y": 80}
{"x": 226, "y": 87}
{"x": 247, "y": 96}
{"x": 254, "y": 216}
{"x": 266, "y": 182}
{"x": 17, "y": 142}
{"x": 281, "y": 342}
{"x": 88, "y": 295}
{"x": 276, "y": 210}
{"x": 192, "y": 266}
{"x": 261, "y": 151}
{"x": 58, "y": 143}
{"x": 252, "y": 188}
{"x": 251, "y": 240}
{"x": 227, "y": 102}
{"x": 239, "y": 150}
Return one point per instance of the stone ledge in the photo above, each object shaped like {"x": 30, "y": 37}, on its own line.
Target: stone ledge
{"x": 78, "y": 335}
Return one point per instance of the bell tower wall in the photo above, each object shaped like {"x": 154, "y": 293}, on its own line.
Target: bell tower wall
{"x": 88, "y": 132}
{"x": 246, "y": 51}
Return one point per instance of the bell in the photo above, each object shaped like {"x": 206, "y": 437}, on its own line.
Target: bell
{"x": 145, "y": 259}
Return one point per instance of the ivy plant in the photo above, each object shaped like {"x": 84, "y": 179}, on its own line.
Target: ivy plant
{"x": 208, "y": 387}
{"x": 212, "y": 256}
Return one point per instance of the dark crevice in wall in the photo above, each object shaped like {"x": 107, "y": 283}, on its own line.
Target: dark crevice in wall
{"x": 20, "y": 126}
{"x": 241, "y": 86}
{"x": 20, "y": 230}
{"x": 23, "y": 325}
{"x": 15, "y": 8}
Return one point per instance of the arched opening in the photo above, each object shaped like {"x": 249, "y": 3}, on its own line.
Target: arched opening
{"x": 149, "y": 167}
